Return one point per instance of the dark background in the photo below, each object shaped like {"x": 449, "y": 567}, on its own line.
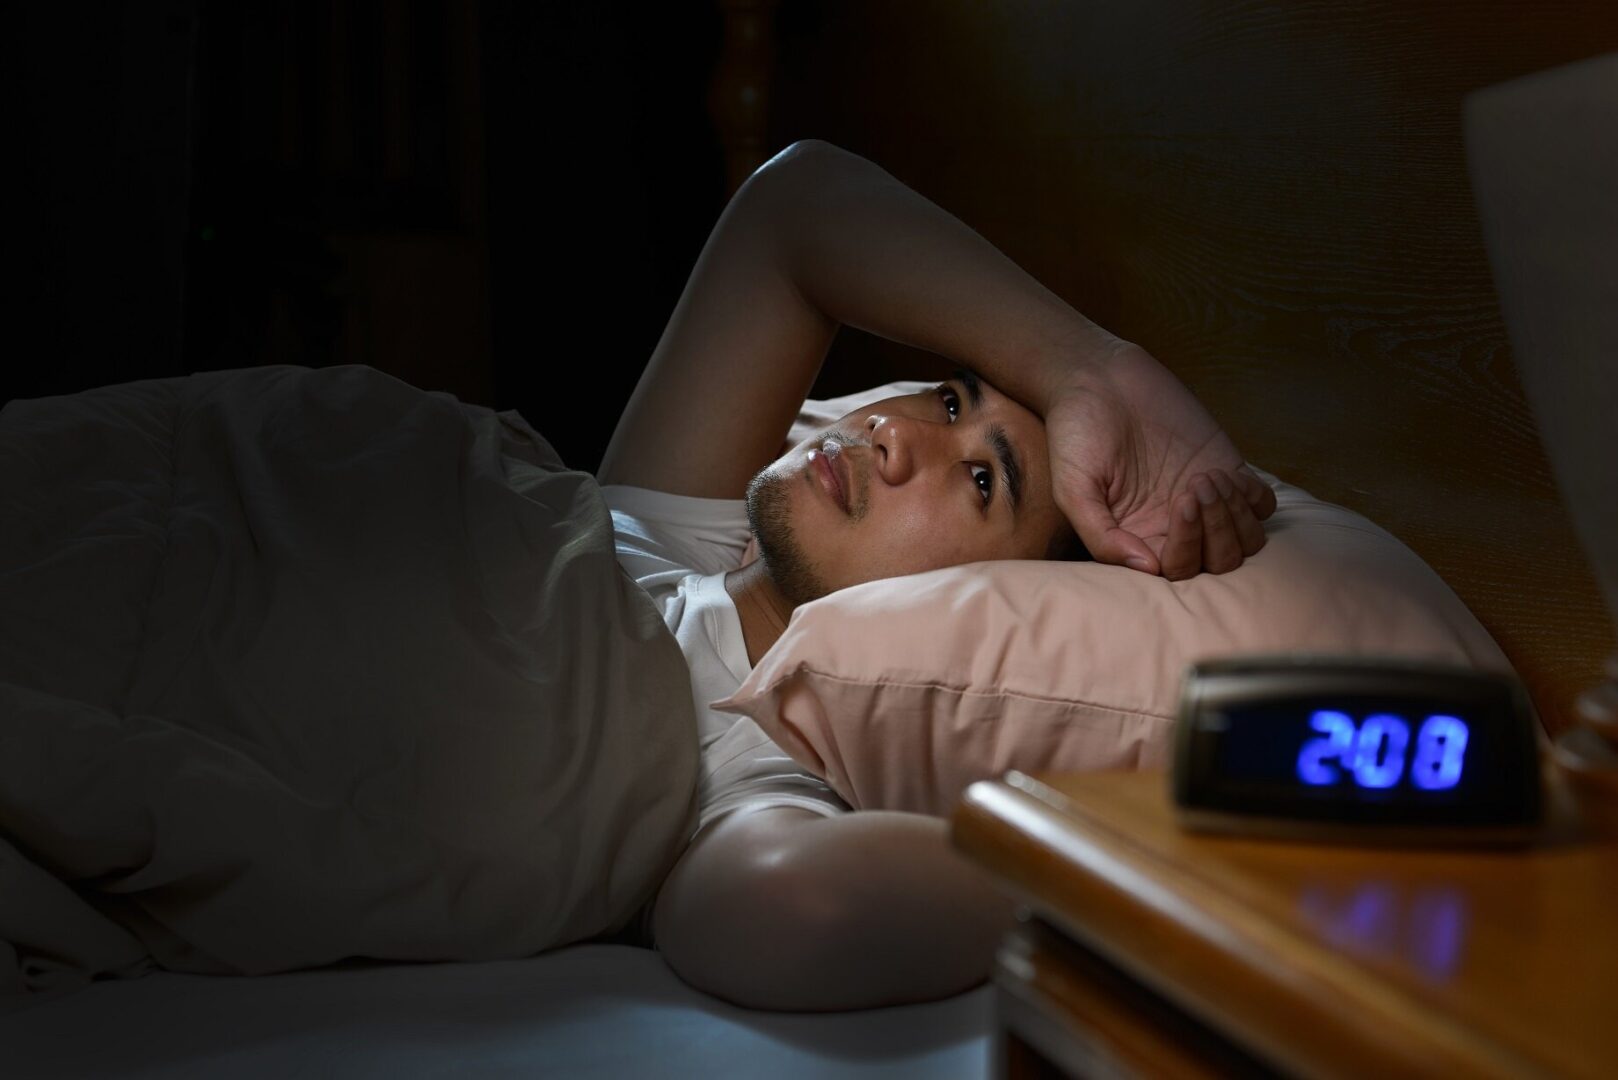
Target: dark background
{"x": 498, "y": 200}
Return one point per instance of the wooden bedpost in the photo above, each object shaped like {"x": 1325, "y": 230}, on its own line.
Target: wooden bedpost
{"x": 738, "y": 97}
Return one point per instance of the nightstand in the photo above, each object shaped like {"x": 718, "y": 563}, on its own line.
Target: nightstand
{"x": 1144, "y": 950}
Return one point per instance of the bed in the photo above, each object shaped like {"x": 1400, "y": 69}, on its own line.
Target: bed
{"x": 1272, "y": 199}
{"x": 588, "y": 1010}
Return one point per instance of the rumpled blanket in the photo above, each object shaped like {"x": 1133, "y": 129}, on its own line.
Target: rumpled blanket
{"x": 299, "y": 665}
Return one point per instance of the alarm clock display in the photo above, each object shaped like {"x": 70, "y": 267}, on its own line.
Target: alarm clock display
{"x": 1333, "y": 748}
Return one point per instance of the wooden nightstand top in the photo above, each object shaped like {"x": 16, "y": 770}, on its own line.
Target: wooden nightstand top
{"x": 1326, "y": 960}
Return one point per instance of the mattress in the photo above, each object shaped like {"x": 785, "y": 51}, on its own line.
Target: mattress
{"x": 588, "y": 1010}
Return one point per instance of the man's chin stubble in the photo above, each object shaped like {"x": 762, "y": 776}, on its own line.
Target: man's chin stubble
{"x": 769, "y": 515}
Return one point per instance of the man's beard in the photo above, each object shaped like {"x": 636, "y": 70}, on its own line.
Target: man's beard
{"x": 768, "y": 512}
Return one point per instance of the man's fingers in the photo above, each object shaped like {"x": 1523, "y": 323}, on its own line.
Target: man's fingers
{"x": 1259, "y": 495}
{"x": 1182, "y": 551}
{"x": 1213, "y": 526}
{"x": 1249, "y": 532}
{"x": 1221, "y": 547}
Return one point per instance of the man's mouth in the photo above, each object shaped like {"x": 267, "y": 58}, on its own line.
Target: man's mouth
{"x": 830, "y": 475}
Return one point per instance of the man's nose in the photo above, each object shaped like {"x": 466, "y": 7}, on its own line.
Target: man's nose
{"x": 904, "y": 444}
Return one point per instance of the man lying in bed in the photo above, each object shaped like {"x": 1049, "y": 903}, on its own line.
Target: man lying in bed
{"x": 794, "y": 903}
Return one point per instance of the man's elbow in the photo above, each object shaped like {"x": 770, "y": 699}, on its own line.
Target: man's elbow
{"x": 804, "y": 150}
{"x": 812, "y": 162}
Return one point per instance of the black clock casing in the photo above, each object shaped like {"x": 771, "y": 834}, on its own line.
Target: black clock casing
{"x": 1356, "y": 748}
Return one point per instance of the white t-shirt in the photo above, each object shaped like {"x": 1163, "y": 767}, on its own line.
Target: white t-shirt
{"x": 678, "y": 549}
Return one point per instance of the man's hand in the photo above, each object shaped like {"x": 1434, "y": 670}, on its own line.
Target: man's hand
{"x": 1145, "y": 473}
{"x": 1215, "y": 525}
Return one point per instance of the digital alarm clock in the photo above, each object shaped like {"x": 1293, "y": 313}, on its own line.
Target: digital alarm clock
{"x": 1314, "y": 747}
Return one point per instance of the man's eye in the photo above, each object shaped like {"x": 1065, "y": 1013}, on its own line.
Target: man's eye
{"x": 985, "y": 480}
{"x": 952, "y": 404}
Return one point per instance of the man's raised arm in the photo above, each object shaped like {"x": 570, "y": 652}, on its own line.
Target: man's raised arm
{"x": 820, "y": 237}
{"x": 816, "y": 238}
{"x": 737, "y": 358}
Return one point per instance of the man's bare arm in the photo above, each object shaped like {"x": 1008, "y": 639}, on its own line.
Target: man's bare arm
{"x": 1129, "y": 443}
{"x": 782, "y": 909}
{"x": 817, "y": 238}
{"x": 820, "y": 237}
{"x": 736, "y": 360}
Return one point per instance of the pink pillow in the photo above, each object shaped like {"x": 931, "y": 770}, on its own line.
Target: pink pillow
{"x": 900, "y": 693}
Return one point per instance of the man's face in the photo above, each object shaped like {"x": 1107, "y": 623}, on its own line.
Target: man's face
{"x": 913, "y": 483}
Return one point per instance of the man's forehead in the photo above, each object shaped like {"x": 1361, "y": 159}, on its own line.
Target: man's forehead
{"x": 983, "y": 394}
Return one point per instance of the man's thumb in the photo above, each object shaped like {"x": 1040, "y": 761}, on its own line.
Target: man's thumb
{"x": 1109, "y": 542}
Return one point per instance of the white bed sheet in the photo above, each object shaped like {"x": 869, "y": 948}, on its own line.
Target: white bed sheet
{"x": 583, "y": 1011}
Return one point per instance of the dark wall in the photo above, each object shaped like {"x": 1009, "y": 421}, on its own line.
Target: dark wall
{"x": 338, "y": 203}
{"x": 102, "y": 130}
{"x": 605, "y": 177}
{"x": 499, "y": 200}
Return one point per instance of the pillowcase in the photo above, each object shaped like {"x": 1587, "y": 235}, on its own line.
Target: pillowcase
{"x": 900, "y": 693}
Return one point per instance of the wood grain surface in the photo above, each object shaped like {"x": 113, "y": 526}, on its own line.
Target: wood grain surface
{"x": 1324, "y": 960}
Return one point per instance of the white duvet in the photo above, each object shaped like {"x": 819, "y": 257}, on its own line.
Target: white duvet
{"x": 299, "y": 665}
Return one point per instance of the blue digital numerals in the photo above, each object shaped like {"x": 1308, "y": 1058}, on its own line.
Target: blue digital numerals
{"x": 1374, "y": 753}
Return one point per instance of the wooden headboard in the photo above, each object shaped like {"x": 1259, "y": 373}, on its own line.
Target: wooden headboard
{"x": 1272, "y": 198}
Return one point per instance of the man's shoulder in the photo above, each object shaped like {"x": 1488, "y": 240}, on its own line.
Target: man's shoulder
{"x": 736, "y": 859}
{"x": 747, "y": 835}
{"x": 756, "y": 827}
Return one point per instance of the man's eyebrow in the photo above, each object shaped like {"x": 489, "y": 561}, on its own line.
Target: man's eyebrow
{"x": 1010, "y": 460}
{"x": 969, "y": 379}
{"x": 1010, "y": 466}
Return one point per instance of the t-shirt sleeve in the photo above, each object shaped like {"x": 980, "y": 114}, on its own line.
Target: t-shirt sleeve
{"x": 752, "y": 771}
{"x": 656, "y": 531}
